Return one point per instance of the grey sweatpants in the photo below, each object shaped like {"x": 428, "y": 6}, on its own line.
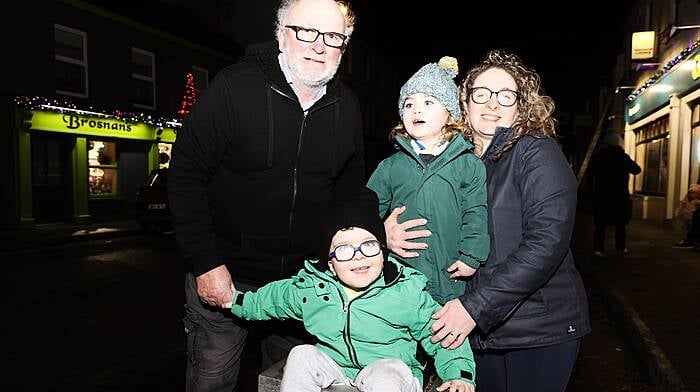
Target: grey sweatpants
{"x": 309, "y": 369}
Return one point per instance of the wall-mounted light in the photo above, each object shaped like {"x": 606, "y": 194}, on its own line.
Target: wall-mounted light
{"x": 674, "y": 28}
{"x": 620, "y": 88}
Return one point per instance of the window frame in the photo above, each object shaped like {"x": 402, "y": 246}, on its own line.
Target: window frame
{"x": 150, "y": 79}
{"x": 112, "y": 166}
{"x": 70, "y": 60}
{"x": 198, "y": 93}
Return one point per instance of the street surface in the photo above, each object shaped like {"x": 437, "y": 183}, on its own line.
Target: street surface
{"x": 106, "y": 315}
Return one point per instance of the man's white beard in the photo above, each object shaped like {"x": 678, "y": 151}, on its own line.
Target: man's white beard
{"x": 308, "y": 80}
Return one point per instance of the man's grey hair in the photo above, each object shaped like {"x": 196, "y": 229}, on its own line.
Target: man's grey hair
{"x": 286, "y": 5}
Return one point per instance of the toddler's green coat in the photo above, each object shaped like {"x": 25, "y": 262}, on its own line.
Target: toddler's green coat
{"x": 450, "y": 193}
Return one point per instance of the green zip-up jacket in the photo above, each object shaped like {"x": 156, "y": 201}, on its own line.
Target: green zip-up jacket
{"x": 450, "y": 193}
{"x": 387, "y": 320}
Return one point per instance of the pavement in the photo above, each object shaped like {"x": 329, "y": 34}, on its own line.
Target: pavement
{"x": 47, "y": 235}
{"x": 651, "y": 292}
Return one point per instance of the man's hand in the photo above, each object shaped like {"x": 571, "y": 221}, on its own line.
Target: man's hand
{"x": 456, "y": 386}
{"x": 460, "y": 270}
{"x": 397, "y": 234}
{"x": 229, "y": 304}
{"x": 452, "y": 325}
{"x": 214, "y": 286}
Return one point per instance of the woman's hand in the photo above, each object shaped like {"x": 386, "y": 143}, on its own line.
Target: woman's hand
{"x": 452, "y": 325}
{"x": 456, "y": 386}
{"x": 398, "y": 234}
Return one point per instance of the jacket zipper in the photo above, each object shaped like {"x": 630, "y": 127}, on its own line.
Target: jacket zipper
{"x": 295, "y": 181}
{"x": 346, "y": 309}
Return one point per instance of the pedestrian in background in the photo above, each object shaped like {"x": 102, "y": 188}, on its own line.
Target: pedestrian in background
{"x": 610, "y": 169}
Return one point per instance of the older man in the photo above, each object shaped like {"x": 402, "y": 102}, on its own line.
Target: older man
{"x": 271, "y": 142}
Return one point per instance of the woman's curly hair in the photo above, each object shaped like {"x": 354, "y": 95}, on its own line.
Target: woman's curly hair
{"x": 534, "y": 109}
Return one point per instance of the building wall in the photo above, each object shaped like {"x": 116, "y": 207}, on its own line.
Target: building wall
{"x": 659, "y": 15}
{"x": 110, "y": 37}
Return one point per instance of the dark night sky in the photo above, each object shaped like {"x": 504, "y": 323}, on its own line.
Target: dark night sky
{"x": 570, "y": 50}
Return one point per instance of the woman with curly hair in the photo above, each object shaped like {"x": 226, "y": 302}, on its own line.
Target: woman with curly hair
{"x": 526, "y": 306}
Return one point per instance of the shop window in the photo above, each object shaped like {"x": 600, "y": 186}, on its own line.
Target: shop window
{"x": 695, "y": 146}
{"x": 70, "y": 53}
{"x": 103, "y": 168}
{"x": 143, "y": 79}
{"x": 164, "y": 154}
{"x": 201, "y": 80}
{"x": 652, "y": 151}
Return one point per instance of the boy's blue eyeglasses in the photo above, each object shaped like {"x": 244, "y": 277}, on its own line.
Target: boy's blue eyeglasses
{"x": 346, "y": 252}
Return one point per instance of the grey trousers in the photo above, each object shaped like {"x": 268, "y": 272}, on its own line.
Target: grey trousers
{"x": 216, "y": 339}
{"x": 309, "y": 369}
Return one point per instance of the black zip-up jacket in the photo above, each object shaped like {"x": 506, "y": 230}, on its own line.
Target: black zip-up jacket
{"x": 251, "y": 174}
{"x": 528, "y": 293}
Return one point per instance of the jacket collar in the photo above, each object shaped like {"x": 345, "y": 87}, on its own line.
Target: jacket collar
{"x": 457, "y": 146}
{"x": 500, "y": 137}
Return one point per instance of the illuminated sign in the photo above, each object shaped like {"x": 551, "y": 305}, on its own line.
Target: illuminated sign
{"x": 643, "y": 45}
{"x": 98, "y": 126}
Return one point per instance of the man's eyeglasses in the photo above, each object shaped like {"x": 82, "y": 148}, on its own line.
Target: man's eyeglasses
{"x": 482, "y": 95}
{"x": 346, "y": 252}
{"x": 305, "y": 34}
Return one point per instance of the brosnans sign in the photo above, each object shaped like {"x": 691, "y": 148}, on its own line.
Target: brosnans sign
{"x": 75, "y": 122}
{"x": 97, "y": 126}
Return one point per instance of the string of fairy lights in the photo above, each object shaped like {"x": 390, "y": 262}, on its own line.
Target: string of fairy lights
{"x": 65, "y": 106}
{"x": 683, "y": 55}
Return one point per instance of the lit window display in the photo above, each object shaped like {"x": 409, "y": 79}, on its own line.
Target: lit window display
{"x": 164, "y": 151}
{"x": 102, "y": 168}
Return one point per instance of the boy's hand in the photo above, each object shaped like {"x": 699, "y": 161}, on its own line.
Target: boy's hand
{"x": 456, "y": 386}
{"x": 228, "y": 305}
{"x": 460, "y": 270}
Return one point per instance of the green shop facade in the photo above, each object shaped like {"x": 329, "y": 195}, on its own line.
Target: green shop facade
{"x": 662, "y": 134}
{"x": 78, "y": 166}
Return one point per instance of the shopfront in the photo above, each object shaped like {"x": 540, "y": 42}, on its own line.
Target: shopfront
{"x": 663, "y": 135}
{"x": 78, "y": 166}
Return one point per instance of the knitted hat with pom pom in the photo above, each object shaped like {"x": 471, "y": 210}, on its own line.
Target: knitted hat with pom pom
{"x": 437, "y": 81}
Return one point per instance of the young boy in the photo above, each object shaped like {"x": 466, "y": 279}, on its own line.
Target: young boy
{"x": 367, "y": 312}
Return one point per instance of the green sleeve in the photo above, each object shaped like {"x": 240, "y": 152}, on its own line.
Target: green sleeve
{"x": 276, "y": 300}
{"x": 380, "y": 184}
{"x": 457, "y": 364}
{"x": 475, "y": 244}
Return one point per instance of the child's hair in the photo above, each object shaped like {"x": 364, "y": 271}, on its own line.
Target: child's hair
{"x": 449, "y": 130}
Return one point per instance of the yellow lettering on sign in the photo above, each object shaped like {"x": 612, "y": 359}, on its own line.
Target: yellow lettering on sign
{"x": 695, "y": 74}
